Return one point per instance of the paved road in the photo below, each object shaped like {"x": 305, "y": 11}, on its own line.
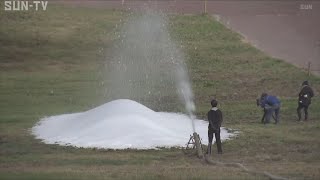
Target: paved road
{"x": 286, "y": 29}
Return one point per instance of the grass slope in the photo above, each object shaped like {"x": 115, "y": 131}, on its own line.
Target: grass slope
{"x": 52, "y": 63}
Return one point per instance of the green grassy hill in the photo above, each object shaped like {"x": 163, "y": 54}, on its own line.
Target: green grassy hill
{"x": 52, "y": 63}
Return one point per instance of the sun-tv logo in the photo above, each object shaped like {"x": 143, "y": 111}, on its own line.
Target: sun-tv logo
{"x": 305, "y": 6}
{"x": 25, "y": 5}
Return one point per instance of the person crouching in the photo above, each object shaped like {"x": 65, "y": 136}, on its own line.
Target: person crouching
{"x": 271, "y": 104}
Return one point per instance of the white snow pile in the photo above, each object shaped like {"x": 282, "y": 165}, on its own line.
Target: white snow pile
{"x": 121, "y": 124}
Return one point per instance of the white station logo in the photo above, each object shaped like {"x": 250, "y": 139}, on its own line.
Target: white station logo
{"x": 25, "y": 5}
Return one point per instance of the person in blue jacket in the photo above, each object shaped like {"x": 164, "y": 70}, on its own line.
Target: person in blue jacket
{"x": 270, "y": 104}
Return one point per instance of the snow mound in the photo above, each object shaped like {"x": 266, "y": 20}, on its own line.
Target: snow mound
{"x": 121, "y": 124}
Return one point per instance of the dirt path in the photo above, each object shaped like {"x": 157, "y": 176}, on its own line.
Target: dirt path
{"x": 289, "y": 30}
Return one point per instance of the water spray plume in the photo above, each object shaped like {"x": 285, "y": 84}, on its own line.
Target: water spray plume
{"x": 185, "y": 92}
{"x": 148, "y": 67}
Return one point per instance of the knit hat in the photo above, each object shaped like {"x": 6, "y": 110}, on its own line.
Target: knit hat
{"x": 214, "y": 103}
{"x": 263, "y": 95}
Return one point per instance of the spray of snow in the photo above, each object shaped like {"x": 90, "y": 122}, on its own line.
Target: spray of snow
{"x": 120, "y": 124}
{"x": 147, "y": 66}
{"x": 186, "y": 94}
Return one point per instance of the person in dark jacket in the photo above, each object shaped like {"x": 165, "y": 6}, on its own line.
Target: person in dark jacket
{"x": 304, "y": 100}
{"x": 270, "y": 104}
{"x": 215, "y": 119}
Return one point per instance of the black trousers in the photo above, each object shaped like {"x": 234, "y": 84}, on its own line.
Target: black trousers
{"x": 305, "y": 108}
{"x": 218, "y": 139}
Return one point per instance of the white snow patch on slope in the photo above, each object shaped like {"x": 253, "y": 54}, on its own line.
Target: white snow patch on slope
{"x": 121, "y": 124}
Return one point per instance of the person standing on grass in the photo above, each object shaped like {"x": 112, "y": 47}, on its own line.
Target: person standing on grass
{"x": 215, "y": 119}
{"x": 305, "y": 95}
{"x": 271, "y": 104}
